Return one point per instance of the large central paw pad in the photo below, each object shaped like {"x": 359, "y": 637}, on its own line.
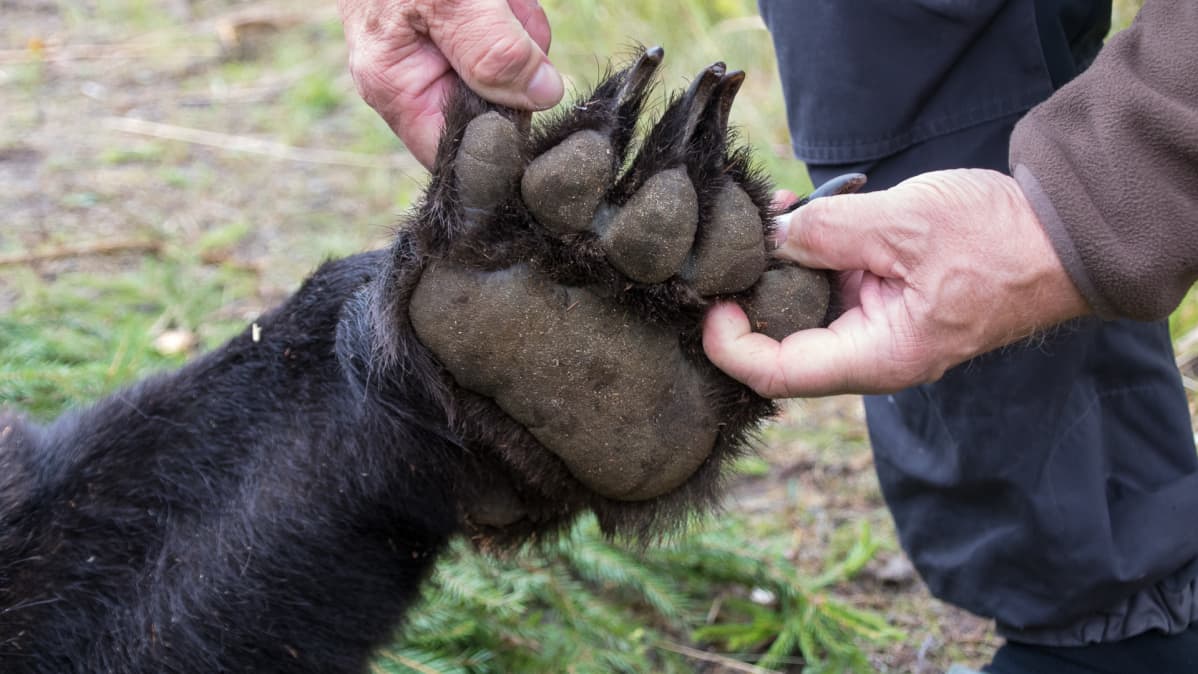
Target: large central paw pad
{"x": 572, "y": 284}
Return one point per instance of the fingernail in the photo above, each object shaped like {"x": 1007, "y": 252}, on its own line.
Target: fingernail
{"x": 781, "y": 229}
{"x": 546, "y": 87}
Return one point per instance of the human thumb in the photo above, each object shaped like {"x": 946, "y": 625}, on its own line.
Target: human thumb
{"x": 496, "y": 55}
{"x": 845, "y": 232}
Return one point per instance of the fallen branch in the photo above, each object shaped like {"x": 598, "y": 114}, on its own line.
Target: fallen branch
{"x": 82, "y": 250}
{"x": 1186, "y": 347}
{"x": 249, "y": 94}
{"x": 1189, "y": 383}
{"x": 75, "y": 52}
{"x": 223, "y": 28}
{"x": 723, "y": 661}
{"x": 224, "y": 141}
{"x": 409, "y": 663}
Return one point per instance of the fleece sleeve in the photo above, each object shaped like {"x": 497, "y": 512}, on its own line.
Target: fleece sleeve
{"x": 1110, "y": 165}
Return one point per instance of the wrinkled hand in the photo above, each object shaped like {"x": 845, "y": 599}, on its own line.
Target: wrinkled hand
{"x": 942, "y": 267}
{"x": 407, "y": 55}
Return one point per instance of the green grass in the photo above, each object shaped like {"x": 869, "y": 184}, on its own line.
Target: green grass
{"x": 146, "y": 153}
{"x": 587, "y": 605}
{"x": 67, "y": 344}
{"x": 1123, "y": 11}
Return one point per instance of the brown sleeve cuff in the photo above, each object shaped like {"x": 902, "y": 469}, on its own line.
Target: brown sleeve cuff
{"x": 1057, "y": 233}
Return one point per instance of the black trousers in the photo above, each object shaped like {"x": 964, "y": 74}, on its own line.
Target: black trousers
{"x": 1051, "y": 486}
{"x": 1151, "y": 653}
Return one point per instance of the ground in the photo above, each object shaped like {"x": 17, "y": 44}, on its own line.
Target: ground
{"x": 168, "y": 170}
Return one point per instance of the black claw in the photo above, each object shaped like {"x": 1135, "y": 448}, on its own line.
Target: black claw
{"x": 612, "y": 109}
{"x": 842, "y": 184}
{"x": 639, "y": 75}
{"x": 636, "y": 80}
{"x": 693, "y": 131}
{"x": 694, "y": 102}
{"x": 725, "y": 95}
{"x": 710, "y": 138}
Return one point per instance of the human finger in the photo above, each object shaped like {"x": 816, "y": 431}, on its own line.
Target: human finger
{"x": 841, "y": 232}
{"x": 815, "y": 362}
{"x": 532, "y": 16}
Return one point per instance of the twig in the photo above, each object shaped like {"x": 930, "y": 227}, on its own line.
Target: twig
{"x": 409, "y": 663}
{"x": 82, "y": 250}
{"x": 1188, "y": 340}
{"x": 252, "y": 94}
{"x": 1186, "y": 347}
{"x": 721, "y": 660}
{"x": 1186, "y": 350}
{"x": 224, "y": 141}
{"x": 274, "y": 12}
{"x": 136, "y": 47}
{"x": 1189, "y": 383}
{"x": 76, "y": 52}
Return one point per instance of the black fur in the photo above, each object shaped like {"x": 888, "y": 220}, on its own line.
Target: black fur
{"x": 252, "y": 512}
{"x": 275, "y": 505}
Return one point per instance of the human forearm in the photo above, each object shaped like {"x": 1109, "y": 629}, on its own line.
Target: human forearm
{"x": 1110, "y": 165}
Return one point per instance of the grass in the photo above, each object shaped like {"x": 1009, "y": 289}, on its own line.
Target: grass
{"x": 65, "y": 344}
{"x": 588, "y": 605}
{"x": 786, "y": 578}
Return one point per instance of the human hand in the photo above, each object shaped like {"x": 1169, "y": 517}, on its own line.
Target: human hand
{"x": 942, "y": 267}
{"x": 407, "y": 55}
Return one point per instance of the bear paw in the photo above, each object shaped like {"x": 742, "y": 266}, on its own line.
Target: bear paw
{"x": 569, "y": 283}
